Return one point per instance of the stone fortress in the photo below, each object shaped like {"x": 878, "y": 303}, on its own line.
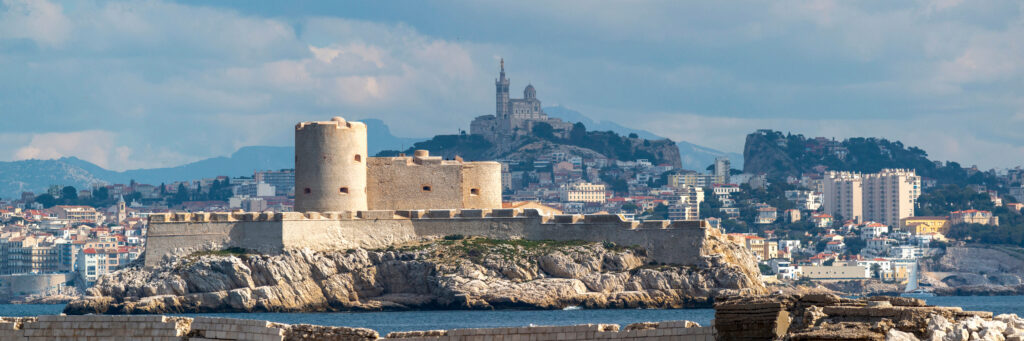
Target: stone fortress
{"x": 346, "y": 200}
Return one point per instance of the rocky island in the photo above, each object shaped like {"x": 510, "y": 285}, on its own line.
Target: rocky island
{"x": 448, "y": 273}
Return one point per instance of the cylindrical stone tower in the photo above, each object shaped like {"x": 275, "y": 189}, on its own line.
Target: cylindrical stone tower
{"x": 330, "y": 166}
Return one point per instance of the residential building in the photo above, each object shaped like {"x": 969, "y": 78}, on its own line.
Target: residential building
{"x": 1015, "y": 207}
{"x": 835, "y": 246}
{"x": 805, "y": 200}
{"x": 973, "y": 217}
{"x": 762, "y": 248}
{"x": 887, "y": 196}
{"x": 694, "y": 179}
{"x": 783, "y": 269}
{"x": 766, "y": 215}
{"x": 873, "y": 230}
{"x": 77, "y": 214}
{"x": 722, "y": 168}
{"x": 282, "y": 180}
{"x": 834, "y": 272}
{"x": 582, "y": 192}
{"x": 684, "y": 211}
{"x": 925, "y": 225}
{"x": 255, "y": 190}
{"x": 792, "y": 215}
{"x": 822, "y": 220}
{"x": 1017, "y": 193}
{"x": 95, "y": 262}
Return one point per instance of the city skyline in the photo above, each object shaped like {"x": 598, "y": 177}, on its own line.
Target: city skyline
{"x": 149, "y": 84}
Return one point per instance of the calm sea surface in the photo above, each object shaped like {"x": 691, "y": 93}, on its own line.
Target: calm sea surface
{"x": 385, "y": 322}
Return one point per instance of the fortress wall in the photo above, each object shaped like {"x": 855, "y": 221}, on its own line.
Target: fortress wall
{"x": 398, "y": 184}
{"x": 167, "y": 328}
{"x": 481, "y": 185}
{"x": 13, "y": 286}
{"x": 679, "y": 242}
{"x": 184, "y": 233}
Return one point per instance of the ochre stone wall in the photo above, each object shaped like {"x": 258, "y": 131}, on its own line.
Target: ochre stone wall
{"x": 428, "y": 182}
{"x": 678, "y": 242}
{"x": 167, "y": 328}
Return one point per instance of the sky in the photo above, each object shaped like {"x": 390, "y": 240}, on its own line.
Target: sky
{"x": 143, "y": 84}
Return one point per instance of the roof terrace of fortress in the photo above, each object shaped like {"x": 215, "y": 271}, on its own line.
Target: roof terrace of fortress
{"x": 423, "y": 157}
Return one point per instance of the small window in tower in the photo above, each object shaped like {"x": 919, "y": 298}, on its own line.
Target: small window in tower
{"x": 474, "y": 191}
{"x": 344, "y": 190}
{"x": 307, "y": 190}
{"x": 359, "y": 158}
{"x": 426, "y": 188}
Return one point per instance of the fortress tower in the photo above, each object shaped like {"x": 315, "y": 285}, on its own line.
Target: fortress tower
{"x": 330, "y": 166}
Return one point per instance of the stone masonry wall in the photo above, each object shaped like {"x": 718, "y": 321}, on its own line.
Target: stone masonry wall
{"x": 678, "y": 242}
{"x": 167, "y": 328}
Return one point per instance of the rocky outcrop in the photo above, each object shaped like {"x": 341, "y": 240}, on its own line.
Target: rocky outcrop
{"x": 445, "y": 274}
{"x": 976, "y": 270}
{"x": 830, "y": 317}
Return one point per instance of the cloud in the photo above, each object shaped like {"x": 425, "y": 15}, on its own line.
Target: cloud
{"x": 95, "y": 146}
{"x": 40, "y": 21}
{"x": 174, "y": 83}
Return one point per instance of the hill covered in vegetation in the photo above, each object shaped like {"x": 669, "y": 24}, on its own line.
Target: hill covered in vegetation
{"x": 605, "y": 143}
{"x": 780, "y": 155}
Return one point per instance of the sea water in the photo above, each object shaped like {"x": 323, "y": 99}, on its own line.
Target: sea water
{"x": 385, "y": 322}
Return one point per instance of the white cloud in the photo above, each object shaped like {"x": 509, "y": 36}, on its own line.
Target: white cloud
{"x": 37, "y": 20}
{"x": 179, "y": 83}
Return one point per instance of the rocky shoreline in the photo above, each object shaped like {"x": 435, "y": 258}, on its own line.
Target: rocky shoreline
{"x": 830, "y": 317}
{"x": 471, "y": 273}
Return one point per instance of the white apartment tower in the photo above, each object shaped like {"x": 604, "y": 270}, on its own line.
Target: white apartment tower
{"x": 722, "y": 167}
{"x": 885, "y": 197}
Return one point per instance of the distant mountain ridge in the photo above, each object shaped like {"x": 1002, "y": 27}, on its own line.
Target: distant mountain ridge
{"x": 694, "y": 156}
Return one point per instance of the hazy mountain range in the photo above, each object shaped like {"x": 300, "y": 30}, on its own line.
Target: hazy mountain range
{"x": 37, "y": 175}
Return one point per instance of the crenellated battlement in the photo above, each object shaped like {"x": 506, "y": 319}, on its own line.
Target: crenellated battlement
{"x": 453, "y": 214}
{"x": 335, "y": 122}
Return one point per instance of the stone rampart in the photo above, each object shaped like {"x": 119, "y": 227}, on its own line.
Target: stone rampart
{"x": 167, "y": 328}
{"x": 20, "y": 285}
{"x": 676, "y": 242}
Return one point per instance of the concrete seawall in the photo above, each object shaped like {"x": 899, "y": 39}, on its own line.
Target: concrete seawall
{"x": 167, "y": 328}
{"x": 676, "y": 242}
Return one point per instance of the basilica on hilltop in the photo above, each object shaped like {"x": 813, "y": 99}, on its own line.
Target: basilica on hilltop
{"x": 515, "y": 116}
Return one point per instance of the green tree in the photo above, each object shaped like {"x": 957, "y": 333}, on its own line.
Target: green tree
{"x": 100, "y": 193}
{"x": 46, "y": 200}
{"x": 544, "y": 131}
{"x": 69, "y": 193}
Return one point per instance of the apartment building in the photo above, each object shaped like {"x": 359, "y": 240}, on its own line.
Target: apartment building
{"x": 582, "y": 192}
{"x": 973, "y": 217}
{"x": 925, "y": 225}
{"x": 886, "y": 197}
{"x": 76, "y": 214}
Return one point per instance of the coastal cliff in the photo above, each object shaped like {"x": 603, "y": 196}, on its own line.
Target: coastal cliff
{"x": 976, "y": 270}
{"x": 451, "y": 273}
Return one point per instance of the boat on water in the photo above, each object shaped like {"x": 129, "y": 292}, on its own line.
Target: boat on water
{"x": 914, "y": 288}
